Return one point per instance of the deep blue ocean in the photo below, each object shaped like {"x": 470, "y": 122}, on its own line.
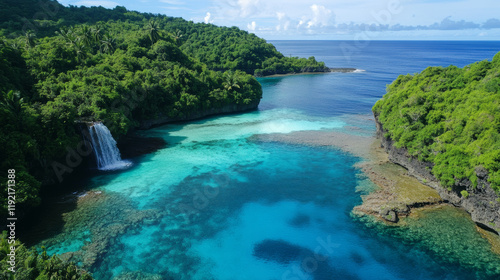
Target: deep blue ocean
{"x": 228, "y": 198}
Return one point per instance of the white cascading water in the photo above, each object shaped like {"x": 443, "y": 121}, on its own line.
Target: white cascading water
{"x": 105, "y": 149}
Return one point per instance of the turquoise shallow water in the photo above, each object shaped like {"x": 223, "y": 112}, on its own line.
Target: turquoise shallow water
{"x": 218, "y": 203}
{"x": 228, "y": 206}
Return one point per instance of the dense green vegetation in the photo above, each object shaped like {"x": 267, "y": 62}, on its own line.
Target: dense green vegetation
{"x": 231, "y": 48}
{"x": 449, "y": 117}
{"x": 97, "y": 73}
{"x": 60, "y": 65}
{"x": 220, "y": 48}
{"x": 31, "y": 265}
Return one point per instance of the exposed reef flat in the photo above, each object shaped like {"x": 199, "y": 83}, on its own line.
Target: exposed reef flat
{"x": 482, "y": 202}
{"x": 397, "y": 193}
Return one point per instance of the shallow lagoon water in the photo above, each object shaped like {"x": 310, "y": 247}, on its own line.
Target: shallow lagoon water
{"x": 217, "y": 203}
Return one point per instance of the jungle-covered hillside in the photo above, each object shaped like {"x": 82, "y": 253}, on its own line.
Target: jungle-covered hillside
{"x": 450, "y": 117}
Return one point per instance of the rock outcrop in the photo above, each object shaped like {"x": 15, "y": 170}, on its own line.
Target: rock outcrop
{"x": 481, "y": 202}
{"x": 344, "y": 70}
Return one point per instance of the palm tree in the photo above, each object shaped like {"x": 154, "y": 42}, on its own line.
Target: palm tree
{"x": 80, "y": 51}
{"x": 14, "y": 45}
{"x": 177, "y": 35}
{"x": 107, "y": 44}
{"x": 231, "y": 82}
{"x": 153, "y": 31}
{"x": 12, "y": 102}
{"x": 29, "y": 39}
{"x": 98, "y": 32}
{"x": 86, "y": 36}
{"x": 68, "y": 34}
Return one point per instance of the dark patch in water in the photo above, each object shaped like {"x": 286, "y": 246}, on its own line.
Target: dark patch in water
{"x": 310, "y": 263}
{"x": 357, "y": 258}
{"x": 133, "y": 146}
{"x": 300, "y": 220}
{"x": 279, "y": 251}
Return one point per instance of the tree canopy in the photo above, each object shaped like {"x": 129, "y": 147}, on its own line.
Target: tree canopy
{"x": 220, "y": 48}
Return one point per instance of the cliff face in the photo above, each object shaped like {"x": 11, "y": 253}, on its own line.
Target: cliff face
{"x": 482, "y": 202}
{"x": 228, "y": 109}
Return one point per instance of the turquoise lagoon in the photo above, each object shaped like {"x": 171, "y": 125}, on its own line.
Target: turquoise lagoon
{"x": 221, "y": 203}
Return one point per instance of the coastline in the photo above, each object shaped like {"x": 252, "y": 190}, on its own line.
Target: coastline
{"x": 397, "y": 192}
{"x": 482, "y": 204}
{"x": 401, "y": 198}
{"x": 227, "y": 109}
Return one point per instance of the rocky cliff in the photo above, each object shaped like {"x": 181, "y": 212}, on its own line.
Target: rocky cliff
{"x": 482, "y": 202}
{"x": 227, "y": 109}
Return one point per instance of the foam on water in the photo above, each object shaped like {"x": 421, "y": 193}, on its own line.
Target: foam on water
{"x": 105, "y": 149}
{"x": 240, "y": 126}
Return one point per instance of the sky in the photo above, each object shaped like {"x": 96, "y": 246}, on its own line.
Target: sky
{"x": 333, "y": 19}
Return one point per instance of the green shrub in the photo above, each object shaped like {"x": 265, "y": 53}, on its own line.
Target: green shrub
{"x": 464, "y": 194}
{"x": 31, "y": 265}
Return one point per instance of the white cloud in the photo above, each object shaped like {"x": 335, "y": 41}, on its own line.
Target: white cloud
{"x": 321, "y": 16}
{"x": 105, "y": 4}
{"x": 325, "y": 18}
{"x": 286, "y": 25}
{"x": 280, "y": 15}
{"x": 301, "y": 22}
{"x": 249, "y": 7}
{"x": 284, "y": 21}
{"x": 208, "y": 18}
{"x": 252, "y": 26}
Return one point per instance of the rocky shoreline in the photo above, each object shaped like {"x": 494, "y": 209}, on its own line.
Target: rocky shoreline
{"x": 482, "y": 202}
{"x": 397, "y": 192}
{"x": 227, "y": 109}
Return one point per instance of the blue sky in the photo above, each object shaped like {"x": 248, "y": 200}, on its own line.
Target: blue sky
{"x": 334, "y": 19}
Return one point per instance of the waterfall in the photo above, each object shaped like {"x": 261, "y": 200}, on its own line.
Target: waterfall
{"x": 105, "y": 149}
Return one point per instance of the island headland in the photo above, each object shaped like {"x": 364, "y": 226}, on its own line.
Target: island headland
{"x": 442, "y": 126}
{"x": 482, "y": 201}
